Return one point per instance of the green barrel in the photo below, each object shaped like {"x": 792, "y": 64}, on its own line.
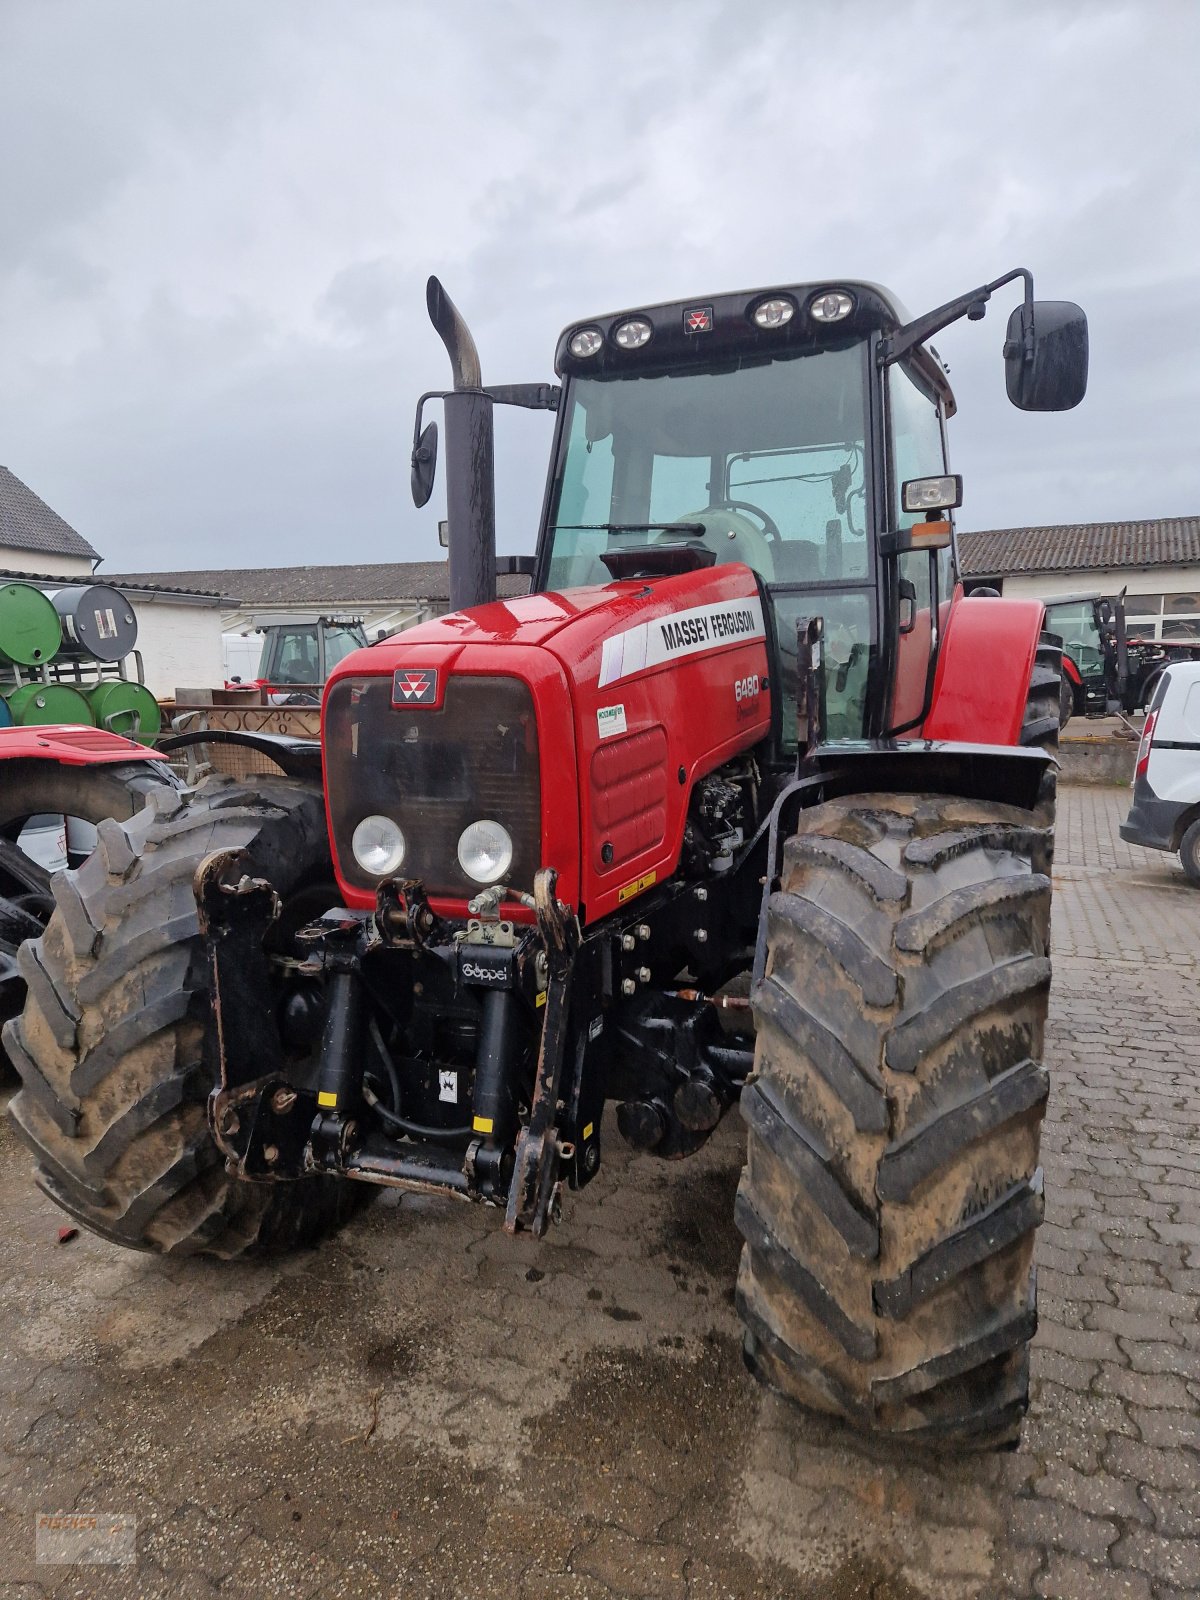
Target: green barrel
{"x": 30, "y": 629}
{"x": 124, "y": 707}
{"x": 36, "y": 703}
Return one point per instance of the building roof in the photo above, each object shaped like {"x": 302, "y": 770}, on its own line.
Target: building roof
{"x": 374, "y": 584}
{"x": 144, "y": 591}
{"x": 1081, "y": 546}
{"x": 27, "y": 523}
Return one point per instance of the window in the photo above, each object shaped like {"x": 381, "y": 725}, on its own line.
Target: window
{"x": 918, "y": 451}
{"x": 1076, "y": 623}
{"x": 768, "y": 456}
{"x": 1162, "y": 616}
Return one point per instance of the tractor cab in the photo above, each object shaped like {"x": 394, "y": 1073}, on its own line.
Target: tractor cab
{"x": 763, "y": 429}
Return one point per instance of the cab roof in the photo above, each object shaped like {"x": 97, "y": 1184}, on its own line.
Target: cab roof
{"x": 714, "y": 329}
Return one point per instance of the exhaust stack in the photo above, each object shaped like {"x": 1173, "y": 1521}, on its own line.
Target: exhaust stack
{"x": 470, "y": 460}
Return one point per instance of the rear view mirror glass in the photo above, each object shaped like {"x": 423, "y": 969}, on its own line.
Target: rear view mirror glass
{"x": 424, "y": 464}
{"x": 1046, "y": 356}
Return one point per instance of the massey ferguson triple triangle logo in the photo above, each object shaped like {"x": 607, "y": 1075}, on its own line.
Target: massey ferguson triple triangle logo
{"x": 414, "y": 686}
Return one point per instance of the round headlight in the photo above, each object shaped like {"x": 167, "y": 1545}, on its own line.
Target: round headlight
{"x": 587, "y": 342}
{"x": 632, "y": 335}
{"x": 774, "y": 313}
{"x": 830, "y": 306}
{"x": 485, "y": 851}
{"x": 378, "y": 846}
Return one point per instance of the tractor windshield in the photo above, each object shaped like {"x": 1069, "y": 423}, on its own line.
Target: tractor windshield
{"x": 766, "y": 460}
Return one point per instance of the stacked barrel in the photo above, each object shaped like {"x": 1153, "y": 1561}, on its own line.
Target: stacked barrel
{"x": 71, "y": 633}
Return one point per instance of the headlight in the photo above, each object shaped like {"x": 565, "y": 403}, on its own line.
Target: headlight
{"x": 774, "y": 313}
{"x": 830, "y": 305}
{"x": 633, "y": 334}
{"x": 378, "y": 846}
{"x": 587, "y": 342}
{"x": 485, "y": 851}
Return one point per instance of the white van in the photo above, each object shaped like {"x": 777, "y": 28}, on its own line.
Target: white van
{"x": 1165, "y": 814}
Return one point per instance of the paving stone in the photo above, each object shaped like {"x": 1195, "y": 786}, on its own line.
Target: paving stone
{"x": 1158, "y": 1389}
{"x": 1142, "y": 1463}
{"x": 1042, "y": 1523}
{"x": 1067, "y": 1578}
{"x": 1097, "y": 1493}
{"x": 1175, "y": 1561}
{"x": 1175, "y": 1515}
{"x": 1167, "y": 1429}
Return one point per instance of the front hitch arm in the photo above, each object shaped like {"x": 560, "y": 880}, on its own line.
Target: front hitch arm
{"x": 236, "y": 911}
{"x": 539, "y": 1150}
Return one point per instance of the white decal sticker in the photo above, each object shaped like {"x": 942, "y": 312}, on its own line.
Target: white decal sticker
{"x": 448, "y": 1086}
{"x": 610, "y": 720}
{"x": 595, "y": 1027}
{"x": 683, "y": 633}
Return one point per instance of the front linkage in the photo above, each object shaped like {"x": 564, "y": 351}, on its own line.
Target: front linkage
{"x": 292, "y": 1100}
{"x": 474, "y": 1060}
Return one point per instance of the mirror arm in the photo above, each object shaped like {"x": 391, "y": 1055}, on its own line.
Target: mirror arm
{"x": 431, "y": 394}
{"x": 971, "y": 305}
{"x": 533, "y": 396}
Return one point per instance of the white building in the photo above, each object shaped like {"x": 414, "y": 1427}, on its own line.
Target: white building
{"x": 1156, "y": 563}
{"x": 179, "y": 630}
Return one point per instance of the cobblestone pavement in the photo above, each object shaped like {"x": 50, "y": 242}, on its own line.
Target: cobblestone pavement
{"x": 427, "y": 1408}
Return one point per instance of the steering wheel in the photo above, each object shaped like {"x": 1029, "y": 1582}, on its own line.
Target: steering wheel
{"x": 770, "y": 527}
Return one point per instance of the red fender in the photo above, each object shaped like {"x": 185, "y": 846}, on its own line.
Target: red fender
{"x": 983, "y": 671}
{"x": 1070, "y": 670}
{"x": 71, "y": 745}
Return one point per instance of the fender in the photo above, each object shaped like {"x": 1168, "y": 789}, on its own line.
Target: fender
{"x": 983, "y": 671}
{"x": 1070, "y": 670}
{"x": 69, "y": 745}
{"x": 299, "y": 758}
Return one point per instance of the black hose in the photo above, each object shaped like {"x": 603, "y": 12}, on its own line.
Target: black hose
{"x": 414, "y": 1130}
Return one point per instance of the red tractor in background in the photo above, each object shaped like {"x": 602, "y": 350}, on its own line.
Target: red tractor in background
{"x": 51, "y": 779}
{"x": 743, "y": 732}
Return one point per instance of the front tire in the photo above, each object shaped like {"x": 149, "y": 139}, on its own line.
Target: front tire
{"x": 892, "y": 1186}
{"x": 110, "y": 1045}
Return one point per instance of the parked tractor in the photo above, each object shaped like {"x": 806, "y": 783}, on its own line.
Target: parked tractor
{"x": 1106, "y": 669}
{"x": 744, "y": 734}
{"x": 296, "y": 656}
{"x": 57, "y": 786}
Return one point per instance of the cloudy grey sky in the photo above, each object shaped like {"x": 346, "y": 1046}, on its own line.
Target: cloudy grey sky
{"x": 217, "y": 216}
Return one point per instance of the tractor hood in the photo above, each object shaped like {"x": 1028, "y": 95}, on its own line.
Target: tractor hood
{"x": 683, "y": 614}
{"x": 578, "y": 721}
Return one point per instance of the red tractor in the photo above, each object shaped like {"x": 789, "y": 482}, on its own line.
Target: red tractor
{"x": 743, "y": 734}
{"x": 57, "y": 784}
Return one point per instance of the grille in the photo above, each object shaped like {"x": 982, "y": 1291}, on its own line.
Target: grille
{"x": 434, "y": 772}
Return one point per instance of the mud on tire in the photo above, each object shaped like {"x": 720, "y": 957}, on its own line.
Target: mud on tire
{"x": 109, "y": 1047}
{"x": 892, "y": 1186}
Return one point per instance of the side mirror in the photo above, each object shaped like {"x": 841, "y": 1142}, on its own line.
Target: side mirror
{"x": 424, "y": 464}
{"x": 1046, "y": 355}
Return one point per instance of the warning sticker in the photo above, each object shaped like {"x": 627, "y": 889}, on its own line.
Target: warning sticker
{"x": 106, "y": 624}
{"x": 448, "y": 1086}
{"x": 638, "y": 886}
{"x": 683, "y": 633}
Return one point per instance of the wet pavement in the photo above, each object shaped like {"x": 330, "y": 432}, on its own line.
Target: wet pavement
{"x": 425, "y": 1407}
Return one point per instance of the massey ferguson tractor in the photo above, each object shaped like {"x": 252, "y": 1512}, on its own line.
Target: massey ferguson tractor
{"x": 744, "y": 737}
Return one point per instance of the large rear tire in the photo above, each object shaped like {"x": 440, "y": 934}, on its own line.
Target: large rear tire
{"x": 892, "y": 1186}
{"x": 109, "y": 1046}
